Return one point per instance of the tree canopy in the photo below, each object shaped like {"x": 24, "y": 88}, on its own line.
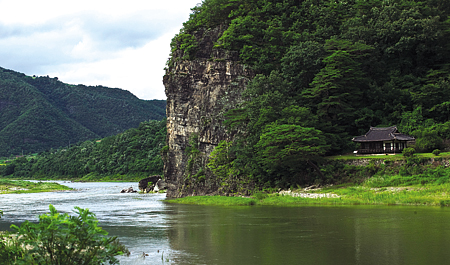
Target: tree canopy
{"x": 327, "y": 70}
{"x": 133, "y": 154}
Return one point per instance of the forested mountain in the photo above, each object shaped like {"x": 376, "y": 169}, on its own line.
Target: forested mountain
{"x": 326, "y": 71}
{"x": 38, "y": 113}
{"x": 133, "y": 154}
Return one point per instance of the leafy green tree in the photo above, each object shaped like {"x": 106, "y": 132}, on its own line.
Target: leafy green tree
{"x": 337, "y": 90}
{"x": 289, "y": 145}
{"x": 302, "y": 62}
{"x": 221, "y": 161}
{"x": 334, "y": 88}
{"x": 428, "y": 139}
{"x": 411, "y": 120}
{"x": 64, "y": 239}
{"x": 407, "y": 35}
{"x": 265, "y": 99}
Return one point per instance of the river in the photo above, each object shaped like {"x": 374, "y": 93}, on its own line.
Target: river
{"x": 189, "y": 234}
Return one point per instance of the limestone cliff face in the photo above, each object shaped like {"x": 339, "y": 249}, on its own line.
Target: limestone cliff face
{"x": 199, "y": 93}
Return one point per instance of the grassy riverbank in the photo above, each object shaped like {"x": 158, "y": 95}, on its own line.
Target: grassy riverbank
{"x": 429, "y": 195}
{"x": 416, "y": 181}
{"x": 21, "y": 186}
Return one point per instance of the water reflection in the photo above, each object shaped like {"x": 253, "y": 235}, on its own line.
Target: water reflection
{"x": 187, "y": 234}
{"x": 313, "y": 235}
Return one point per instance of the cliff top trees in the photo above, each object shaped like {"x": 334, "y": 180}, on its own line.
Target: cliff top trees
{"x": 348, "y": 64}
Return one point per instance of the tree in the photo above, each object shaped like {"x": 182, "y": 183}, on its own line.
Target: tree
{"x": 221, "y": 161}
{"x": 302, "y": 62}
{"x": 64, "y": 239}
{"x": 289, "y": 145}
{"x": 337, "y": 90}
{"x": 428, "y": 139}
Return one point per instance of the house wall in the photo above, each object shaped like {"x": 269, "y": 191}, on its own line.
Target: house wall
{"x": 394, "y": 145}
{"x": 382, "y": 147}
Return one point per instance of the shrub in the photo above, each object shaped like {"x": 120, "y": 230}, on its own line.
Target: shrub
{"x": 64, "y": 239}
{"x": 436, "y": 152}
{"x": 408, "y": 152}
{"x": 9, "y": 249}
{"x": 260, "y": 196}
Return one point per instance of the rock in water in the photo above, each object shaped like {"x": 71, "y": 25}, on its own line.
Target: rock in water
{"x": 144, "y": 183}
{"x": 129, "y": 190}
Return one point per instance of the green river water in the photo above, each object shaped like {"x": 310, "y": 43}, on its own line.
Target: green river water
{"x": 190, "y": 234}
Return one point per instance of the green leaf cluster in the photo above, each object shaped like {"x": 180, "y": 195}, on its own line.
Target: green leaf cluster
{"x": 60, "y": 238}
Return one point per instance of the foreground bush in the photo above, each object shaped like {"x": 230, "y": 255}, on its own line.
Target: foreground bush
{"x": 9, "y": 249}
{"x": 63, "y": 239}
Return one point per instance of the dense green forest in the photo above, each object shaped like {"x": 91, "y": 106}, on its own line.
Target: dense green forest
{"x": 133, "y": 154}
{"x": 326, "y": 72}
{"x": 39, "y": 113}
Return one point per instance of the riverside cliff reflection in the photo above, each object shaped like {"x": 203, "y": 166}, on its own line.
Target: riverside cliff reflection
{"x": 313, "y": 235}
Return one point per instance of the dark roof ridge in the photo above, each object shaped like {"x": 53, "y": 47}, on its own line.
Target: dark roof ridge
{"x": 382, "y": 134}
{"x": 382, "y": 128}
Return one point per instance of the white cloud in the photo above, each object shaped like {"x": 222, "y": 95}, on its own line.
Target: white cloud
{"x": 115, "y": 44}
{"x": 133, "y": 69}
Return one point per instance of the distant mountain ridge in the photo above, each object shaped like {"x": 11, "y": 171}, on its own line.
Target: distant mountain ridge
{"x": 39, "y": 113}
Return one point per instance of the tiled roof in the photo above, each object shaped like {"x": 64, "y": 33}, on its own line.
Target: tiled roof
{"x": 383, "y": 134}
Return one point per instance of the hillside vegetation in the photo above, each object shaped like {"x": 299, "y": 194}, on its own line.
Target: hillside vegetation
{"x": 131, "y": 155}
{"x": 328, "y": 70}
{"x": 39, "y": 113}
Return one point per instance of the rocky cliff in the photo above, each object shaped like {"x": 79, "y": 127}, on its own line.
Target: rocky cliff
{"x": 199, "y": 93}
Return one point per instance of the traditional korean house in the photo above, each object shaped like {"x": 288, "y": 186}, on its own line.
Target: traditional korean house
{"x": 382, "y": 141}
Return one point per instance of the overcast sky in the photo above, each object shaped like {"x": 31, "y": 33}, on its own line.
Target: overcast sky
{"x": 122, "y": 44}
